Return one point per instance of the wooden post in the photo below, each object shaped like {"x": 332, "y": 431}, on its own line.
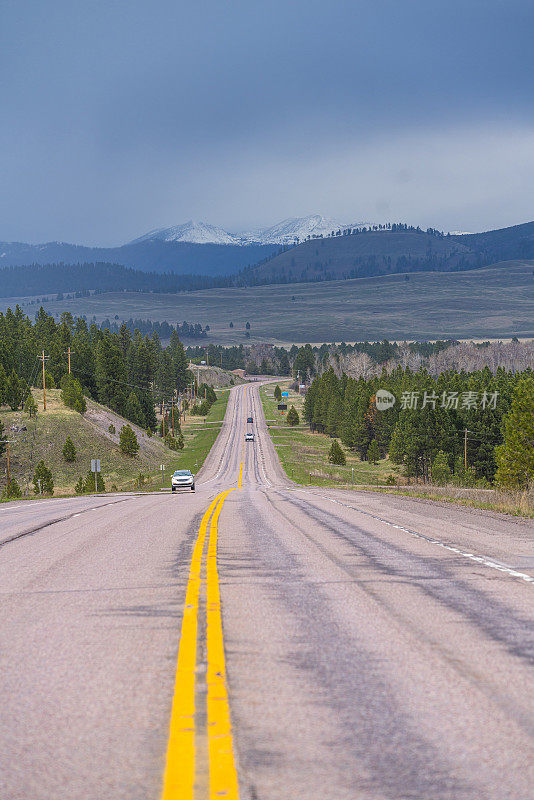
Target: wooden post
{"x": 465, "y": 450}
{"x": 172, "y": 413}
{"x": 163, "y": 418}
{"x": 7, "y": 471}
{"x": 69, "y": 359}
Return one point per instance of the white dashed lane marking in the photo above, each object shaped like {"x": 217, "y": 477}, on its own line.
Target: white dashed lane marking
{"x": 484, "y": 560}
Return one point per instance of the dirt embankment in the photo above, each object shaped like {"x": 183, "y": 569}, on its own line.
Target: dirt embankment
{"x": 215, "y": 376}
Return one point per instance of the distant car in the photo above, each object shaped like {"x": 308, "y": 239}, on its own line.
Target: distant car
{"x": 183, "y": 479}
{"x": 249, "y": 437}
{"x": 250, "y": 419}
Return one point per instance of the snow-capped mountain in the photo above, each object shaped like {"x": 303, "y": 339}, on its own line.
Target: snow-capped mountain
{"x": 195, "y": 232}
{"x": 289, "y": 230}
{"x": 286, "y": 232}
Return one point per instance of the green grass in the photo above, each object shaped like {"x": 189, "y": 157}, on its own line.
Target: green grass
{"x": 200, "y": 437}
{"x": 46, "y": 436}
{"x": 304, "y": 455}
{"x": 305, "y": 461}
{"x": 493, "y": 302}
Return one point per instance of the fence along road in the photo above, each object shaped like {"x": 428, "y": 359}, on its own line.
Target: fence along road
{"x": 258, "y": 639}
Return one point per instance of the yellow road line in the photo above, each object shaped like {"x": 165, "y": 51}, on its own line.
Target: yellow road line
{"x": 223, "y": 774}
{"x": 179, "y": 779}
{"x": 240, "y": 481}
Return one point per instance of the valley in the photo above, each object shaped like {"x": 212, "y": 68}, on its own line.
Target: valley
{"x": 492, "y": 302}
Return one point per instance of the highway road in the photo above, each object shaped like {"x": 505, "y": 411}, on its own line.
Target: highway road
{"x": 266, "y": 641}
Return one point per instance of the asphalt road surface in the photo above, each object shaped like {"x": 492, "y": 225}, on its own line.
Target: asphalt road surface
{"x": 271, "y": 642}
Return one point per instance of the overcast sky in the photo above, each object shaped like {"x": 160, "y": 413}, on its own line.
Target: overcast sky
{"x": 121, "y": 116}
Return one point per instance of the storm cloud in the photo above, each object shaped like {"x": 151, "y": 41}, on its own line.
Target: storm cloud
{"x": 119, "y": 117}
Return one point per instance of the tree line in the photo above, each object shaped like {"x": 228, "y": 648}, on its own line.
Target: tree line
{"x": 476, "y": 426}
{"x": 125, "y": 371}
{"x": 49, "y": 279}
{"x": 187, "y": 330}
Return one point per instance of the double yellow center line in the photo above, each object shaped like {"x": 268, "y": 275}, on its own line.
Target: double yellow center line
{"x": 179, "y": 779}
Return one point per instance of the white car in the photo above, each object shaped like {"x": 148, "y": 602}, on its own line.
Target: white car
{"x": 249, "y": 437}
{"x": 183, "y": 479}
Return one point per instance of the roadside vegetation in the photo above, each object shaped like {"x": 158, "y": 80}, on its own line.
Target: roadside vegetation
{"x": 65, "y": 441}
{"x": 420, "y": 452}
{"x": 304, "y": 454}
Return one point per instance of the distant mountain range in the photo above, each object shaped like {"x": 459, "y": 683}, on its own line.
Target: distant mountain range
{"x": 148, "y": 255}
{"x": 287, "y": 232}
{"x": 352, "y": 251}
{"x": 196, "y": 248}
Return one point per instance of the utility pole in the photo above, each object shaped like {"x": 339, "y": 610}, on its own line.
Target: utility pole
{"x": 44, "y": 358}
{"x": 163, "y": 418}
{"x": 68, "y": 351}
{"x": 465, "y": 450}
{"x": 172, "y": 412}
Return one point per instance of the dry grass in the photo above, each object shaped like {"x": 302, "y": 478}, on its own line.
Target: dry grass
{"x": 516, "y": 503}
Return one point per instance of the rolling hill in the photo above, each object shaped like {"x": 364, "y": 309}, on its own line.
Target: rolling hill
{"x": 492, "y": 302}
{"x": 148, "y": 255}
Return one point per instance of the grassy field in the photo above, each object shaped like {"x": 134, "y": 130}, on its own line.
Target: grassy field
{"x": 304, "y": 455}
{"x": 493, "y": 302}
{"x": 46, "y": 435}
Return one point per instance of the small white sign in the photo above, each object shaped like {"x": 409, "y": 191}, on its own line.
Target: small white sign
{"x": 95, "y": 465}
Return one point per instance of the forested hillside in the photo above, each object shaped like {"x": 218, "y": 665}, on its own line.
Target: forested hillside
{"x": 180, "y": 258}
{"x": 126, "y": 372}
{"x": 389, "y": 249}
{"x": 53, "y": 279}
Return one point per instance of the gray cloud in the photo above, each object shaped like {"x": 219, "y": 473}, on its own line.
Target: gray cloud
{"x": 122, "y": 116}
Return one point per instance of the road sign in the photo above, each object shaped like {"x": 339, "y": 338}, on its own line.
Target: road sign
{"x": 95, "y": 465}
{"x": 282, "y": 406}
{"x": 285, "y": 394}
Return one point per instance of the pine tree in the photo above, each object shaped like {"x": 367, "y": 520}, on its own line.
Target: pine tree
{"x": 293, "y": 417}
{"x": 133, "y": 411}
{"x": 373, "y": 453}
{"x": 515, "y": 457}
{"x": 284, "y": 367}
{"x": 277, "y": 393}
{"x": 336, "y": 454}
{"x": 72, "y": 394}
{"x": 3, "y": 383}
{"x": 441, "y": 472}
{"x": 79, "y": 487}
{"x": 30, "y": 406}
{"x": 89, "y": 483}
{"x": 128, "y": 441}
{"x": 69, "y": 451}
{"x": 13, "y": 391}
{"x": 13, "y": 491}
{"x": 180, "y": 361}
{"x": 174, "y": 443}
{"x": 43, "y": 477}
